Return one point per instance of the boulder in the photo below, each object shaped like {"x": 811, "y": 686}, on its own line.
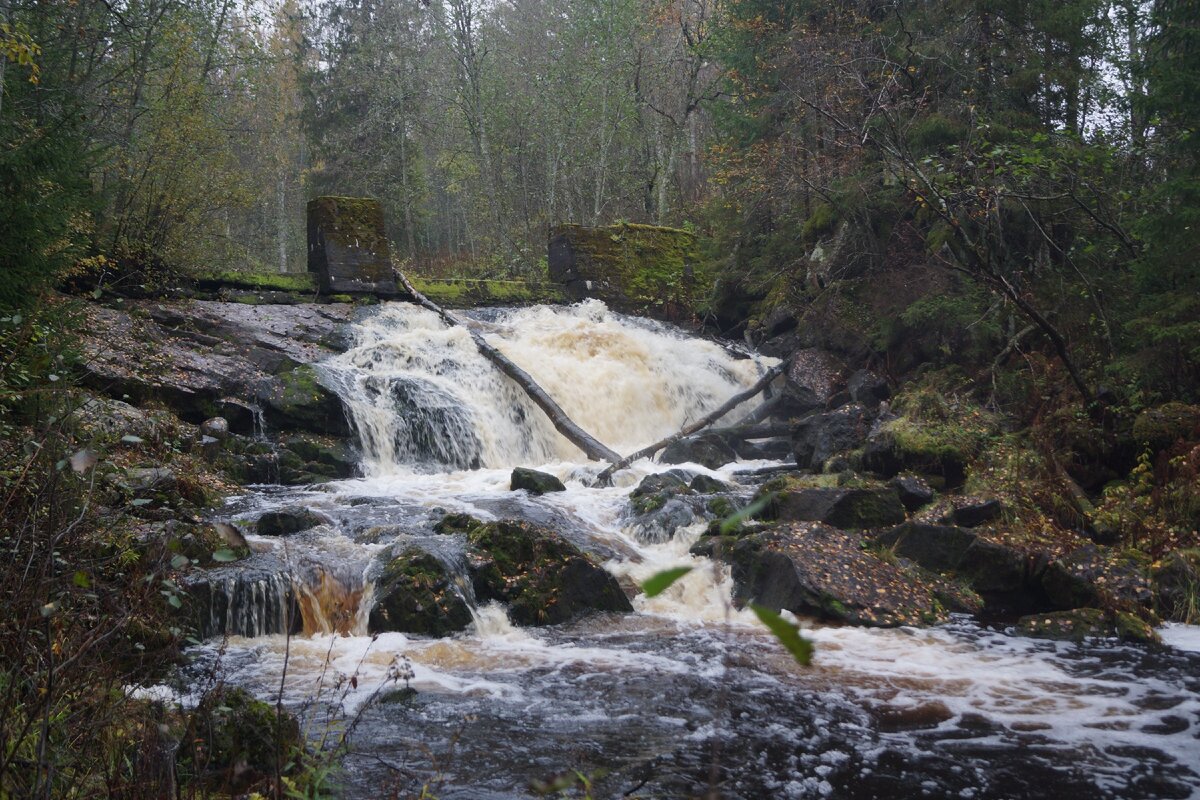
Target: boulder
{"x": 706, "y": 449}
{"x": 216, "y": 427}
{"x": 544, "y": 579}
{"x": 936, "y": 547}
{"x": 415, "y": 593}
{"x": 914, "y": 492}
{"x": 813, "y": 569}
{"x": 297, "y": 400}
{"x": 456, "y": 523}
{"x": 535, "y": 482}
{"x": 1160, "y": 427}
{"x": 286, "y": 521}
{"x": 814, "y": 378}
{"x": 1101, "y": 577}
{"x": 974, "y": 512}
{"x": 818, "y": 437}
{"x": 706, "y": 484}
{"x": 348, "y": 246}
{"x": 867, "y": 388}
{"x": 657, "y": 524}
{"x": 893, "y": 448}
{"x": 845, "y": 508}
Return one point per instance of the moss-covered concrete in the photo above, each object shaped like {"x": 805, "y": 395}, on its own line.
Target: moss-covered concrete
{"x": 644, "y": 268}
{"x": 348, "y": 246}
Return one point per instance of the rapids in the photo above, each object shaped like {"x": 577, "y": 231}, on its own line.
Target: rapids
{"x": 686, "y": 692}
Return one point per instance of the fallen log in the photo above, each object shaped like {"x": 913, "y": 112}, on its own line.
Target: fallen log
{"x": 605, "y": 477}
{"x": 576, "y": 435}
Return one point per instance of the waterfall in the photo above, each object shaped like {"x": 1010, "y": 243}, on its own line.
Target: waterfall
{"x": 421, "y": 397}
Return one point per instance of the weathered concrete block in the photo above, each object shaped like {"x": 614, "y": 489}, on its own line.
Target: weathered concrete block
{"x": 630, "y": 267}
{"x": 348, "y": 246}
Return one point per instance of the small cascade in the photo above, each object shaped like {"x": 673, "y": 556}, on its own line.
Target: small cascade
{"x": 246, "y": 604}
{"x": 332, "y": 603}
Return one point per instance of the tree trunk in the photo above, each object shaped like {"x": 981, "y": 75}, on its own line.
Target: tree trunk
{"x": 562, "y": 423}
{"x": 687, "y": 430}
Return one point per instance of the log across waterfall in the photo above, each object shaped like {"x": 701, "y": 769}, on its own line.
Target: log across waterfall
{"x": 595, "y": 449}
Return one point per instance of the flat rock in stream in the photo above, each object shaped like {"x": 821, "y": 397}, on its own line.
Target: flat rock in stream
{"x": 814, "y": 569}
{"x": 544, "y": 579}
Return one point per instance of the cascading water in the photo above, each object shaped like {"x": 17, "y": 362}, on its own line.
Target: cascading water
{"x": 686, "y": 687}
{"x": 422, "y": 397}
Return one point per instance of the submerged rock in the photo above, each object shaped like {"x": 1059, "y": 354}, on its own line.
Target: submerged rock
{"x": 706, "y": 449}
{"x": 545, "y": 579}
{"x": 535, "y": 482}
{"x": 415, "y": 593}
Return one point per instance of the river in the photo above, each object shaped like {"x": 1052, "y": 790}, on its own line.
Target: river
{"x": 684, "y": 695}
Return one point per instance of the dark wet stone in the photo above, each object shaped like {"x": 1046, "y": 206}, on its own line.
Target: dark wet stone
{"x": 819, "y": 437}
{"x": 814, "y": 569}
{"x": 287, "y": 521}
{"x": 975, "y": 513}
{"x": 535, "y": 482}
{"x": 708, "y": 450}
{"x": 867, "y": 388}
{"x": 705, "y": 484}
{"x": 843, "y": 508}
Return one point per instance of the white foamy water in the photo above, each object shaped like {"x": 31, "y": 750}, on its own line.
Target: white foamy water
{"x": 442, "y": 429}
{"x": 422, "y": 397}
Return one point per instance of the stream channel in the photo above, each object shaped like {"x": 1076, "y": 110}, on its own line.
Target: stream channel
{"x": 684, "y": 693}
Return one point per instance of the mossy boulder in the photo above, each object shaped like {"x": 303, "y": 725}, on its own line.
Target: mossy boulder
{"x": 543, "y": 578}
{"x": 415, "y": 593}
{"x": 1085, "y": 623}
{"x": 1160, "y": 427}
{"x": 643, "y": 268}
{"x": 1101, "y": 577}
{"x": 297, "y": 400}
{"x": 456, "y": 523}
{"x": 848, "y": 508}
{"x": 814, "y": 569}
{"x": 535, "y": 482}
{"x": 234, "y": 743}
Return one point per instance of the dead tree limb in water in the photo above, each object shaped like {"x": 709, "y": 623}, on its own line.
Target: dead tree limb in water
{"x": 687, "y": 430}
{"x": 594, "y": 449}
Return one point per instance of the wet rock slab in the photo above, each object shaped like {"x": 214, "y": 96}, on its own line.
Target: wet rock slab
{"x": 813, "y": 569}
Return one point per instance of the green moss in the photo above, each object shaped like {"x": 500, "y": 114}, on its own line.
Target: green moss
{"x": 301, "y": 282}
{"x": 470, "y": 292}
{"x": 416, "y": 594}
{"x": 820, "y": 222}
{"x": 651, "y": 266}
{"x": 1159, "y": 428}
{"x": 1083, "y": 623}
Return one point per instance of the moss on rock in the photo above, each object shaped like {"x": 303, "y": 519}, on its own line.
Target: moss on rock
{"x": 415, "y": 593}
{"x": 545, "y": 579}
